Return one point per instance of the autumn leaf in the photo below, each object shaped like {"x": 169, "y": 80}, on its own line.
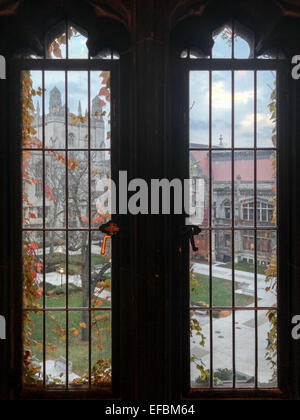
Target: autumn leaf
{"x": 75, "y": 332}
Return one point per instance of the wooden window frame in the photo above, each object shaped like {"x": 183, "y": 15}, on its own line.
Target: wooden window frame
{"x": 181, "y": 68}
{"x": 18, "y": 390}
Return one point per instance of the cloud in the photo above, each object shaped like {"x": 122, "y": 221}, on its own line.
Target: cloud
{"x": 263, "y": 120}
{"x": 222, "y": 97}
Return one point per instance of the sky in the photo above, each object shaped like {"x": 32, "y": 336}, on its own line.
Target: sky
{"x": 77, "y": 81}
{"x": 222, "y": 102}
{"x": 199, "y": 96}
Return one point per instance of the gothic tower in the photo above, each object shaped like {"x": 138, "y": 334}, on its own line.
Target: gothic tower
{"x": 55, "y": 103}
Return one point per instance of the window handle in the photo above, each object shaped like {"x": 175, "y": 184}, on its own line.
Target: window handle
{"x": 109, "y": 229}
{"x": 191, "y": 231}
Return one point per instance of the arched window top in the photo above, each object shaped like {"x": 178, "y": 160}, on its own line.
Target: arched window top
{"x": 69, "y": 41}
{"x": 231, "y": 41}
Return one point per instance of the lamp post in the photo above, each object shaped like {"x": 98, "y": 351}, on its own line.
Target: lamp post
{"x": 62, "y": 272}
{"x": 60, "y": 250}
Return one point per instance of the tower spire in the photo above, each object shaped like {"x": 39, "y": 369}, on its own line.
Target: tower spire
{"x": 79, "y": 109}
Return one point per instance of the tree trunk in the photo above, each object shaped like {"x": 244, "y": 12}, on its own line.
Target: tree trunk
{"x": 85, "y": 285}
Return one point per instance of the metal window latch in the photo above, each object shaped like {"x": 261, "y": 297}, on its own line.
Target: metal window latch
{"x": 109, "y": 229}
{"x": 191, "y": 231}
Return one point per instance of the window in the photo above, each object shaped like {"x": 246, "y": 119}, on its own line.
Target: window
{"x": 265, "y": 212}
{"x": 233, "y": 137}
{"x": 71, "y": 139}
{"x": 151, "y": 263}
{"x": 227, "y": 210}
{"x": 67, "y": 282}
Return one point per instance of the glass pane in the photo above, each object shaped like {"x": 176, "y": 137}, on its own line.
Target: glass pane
{"x": 244, "y": 109}
{"x": 223, "y": 42}
{"x": 222, "y": 273}
{"x": 33, "y": 348}
{"x": 222, "y": 108}
{"x": 103, "y": 190}
{"x": 222, "y": 188}
{"x": 200, "y": 349}
{"x": 58, "y": 47}
{"x": 78, "y": 129}
{"x": 33, "y": 266}
{"x": 56, "y": 363}
{"x": 243, "y": 42}
{"x": 78, "y": 179}
{"x": 267, "y": 260}
{"x": 55, "y": 267}
{"x": 244, "y": 188}
{"x": 266, "y": 188}
{"x": 55, "y": 189}
{"x": 272, "y": 54}
{"x": 199, "y": 199}
{"x": 196, "y": 54}
{"x": 245, "y": 349}
{"x": 101, "y": 348}
{"x": 33, "y": 110}
{"x": 55, "y": 125}
{"x": 32, "y": 189}
{"x": 79, "y": 338}
{"x": 267, "y": 349}
{"x": 199, "y": 109}
{"x": 77, "y": 44}
{"x": 100, "y": 110}
{"x": 101, "y": 272}
{"x": 245, "y": 268}
{"x": 266, "y": 109}
{"x": 78, "y": 269}
{"x": 222, "y": 352}
{"x": 200, "y": 272}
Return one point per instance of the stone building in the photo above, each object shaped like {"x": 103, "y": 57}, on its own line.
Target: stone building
{"x": 55, "y": 129}
{"x": 244, "y": 203}
{"x": 54, "y": 171}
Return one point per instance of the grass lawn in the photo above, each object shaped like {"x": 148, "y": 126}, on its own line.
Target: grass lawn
{"x": 78, "y": 350}
{"x": 249, "y": 268}
{"x": 56, "y": 298}
{"x": 222, "y": 292}
{"x": 59, "y": 260}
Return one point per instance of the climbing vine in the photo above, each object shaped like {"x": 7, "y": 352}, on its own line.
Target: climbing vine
{"x": 271, "y": 272}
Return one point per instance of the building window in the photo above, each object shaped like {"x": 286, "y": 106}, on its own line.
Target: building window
{"x": 71, "y": 140}
{"x": 227, "y": 210}
{"x": 265, "y": 212}
{"x": 38, "y": 189}
{"x": 227, "y": 241}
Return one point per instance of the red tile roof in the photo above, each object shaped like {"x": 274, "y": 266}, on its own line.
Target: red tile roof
{"x": 244, "y": 168}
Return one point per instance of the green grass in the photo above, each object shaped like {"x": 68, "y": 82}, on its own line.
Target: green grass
{"x": 78, "y": 350}
{"x": 222, "y": 293}
{"x": 249, "y": 268}
{"x": 59, "y": 260}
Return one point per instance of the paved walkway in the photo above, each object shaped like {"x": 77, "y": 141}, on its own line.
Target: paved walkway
{"x": 245, "y": 330}
{"x": 222, "y": 328}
